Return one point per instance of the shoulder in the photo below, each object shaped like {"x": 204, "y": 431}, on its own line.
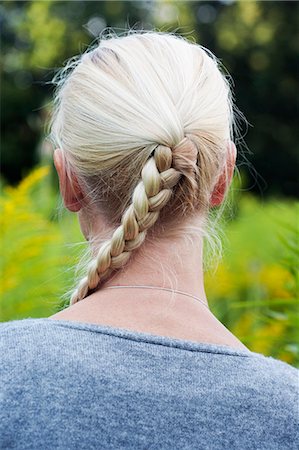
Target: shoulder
{"x": 42, "y": 332}
{"x": 22, "y": 331}
{"x": 273, "y": 378}
{"x": 18, "y": 336}
{"x": 42, "y": 346}
{"x": 27, "y": 340}
{"x": 8, "y": 327}
{"x": 275, "y": 367}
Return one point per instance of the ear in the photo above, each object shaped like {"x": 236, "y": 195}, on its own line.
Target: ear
{"x": 70, "y": 189}
{"x": 226, "y": 176}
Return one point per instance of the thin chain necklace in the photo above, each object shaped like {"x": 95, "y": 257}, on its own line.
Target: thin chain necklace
{"x": 161, "y": 289}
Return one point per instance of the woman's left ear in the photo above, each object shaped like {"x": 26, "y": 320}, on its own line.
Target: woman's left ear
{"x": 70, "y": 192}
{"x": 226, "y": 176}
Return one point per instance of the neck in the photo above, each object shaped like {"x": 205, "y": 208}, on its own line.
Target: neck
{"x": 168, "y": 263}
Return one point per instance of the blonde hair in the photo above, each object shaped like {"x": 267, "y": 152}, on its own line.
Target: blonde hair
{"x": 144, "y": 121}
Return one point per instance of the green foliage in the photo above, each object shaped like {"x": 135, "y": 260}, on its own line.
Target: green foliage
{"x": 34, "y": 262}
{"x": 254, "y": 290}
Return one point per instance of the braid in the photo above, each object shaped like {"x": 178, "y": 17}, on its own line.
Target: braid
{"x": 152, "y": 193}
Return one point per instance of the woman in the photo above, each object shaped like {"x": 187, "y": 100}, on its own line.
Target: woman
{"x": 143, "y": 129}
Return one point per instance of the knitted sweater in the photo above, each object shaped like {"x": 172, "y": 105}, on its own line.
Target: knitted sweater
{"x": 69, "y": 385}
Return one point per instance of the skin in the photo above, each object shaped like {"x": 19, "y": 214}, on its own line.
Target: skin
{"x": 145, "y": 310}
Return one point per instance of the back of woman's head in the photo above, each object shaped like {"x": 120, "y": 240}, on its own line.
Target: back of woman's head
{"x": 144, "y": 122}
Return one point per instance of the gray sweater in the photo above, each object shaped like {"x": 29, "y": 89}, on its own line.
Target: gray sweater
{"x": 69, "y": 385}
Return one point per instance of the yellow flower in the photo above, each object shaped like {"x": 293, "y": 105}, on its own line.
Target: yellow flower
{"x": 267, "y": 336}
{"x": 276, "y": 280}
{"x": 221, "y": 284}
{"x": 28, "y": 182}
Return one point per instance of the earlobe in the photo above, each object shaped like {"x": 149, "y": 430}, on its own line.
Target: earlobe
{"x": 225, "y": 178}
{"x": 218, "y": 192}
{"x": 70, "y": 192}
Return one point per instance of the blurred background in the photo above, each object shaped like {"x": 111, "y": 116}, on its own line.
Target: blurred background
{"x": 254, "y": 290}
